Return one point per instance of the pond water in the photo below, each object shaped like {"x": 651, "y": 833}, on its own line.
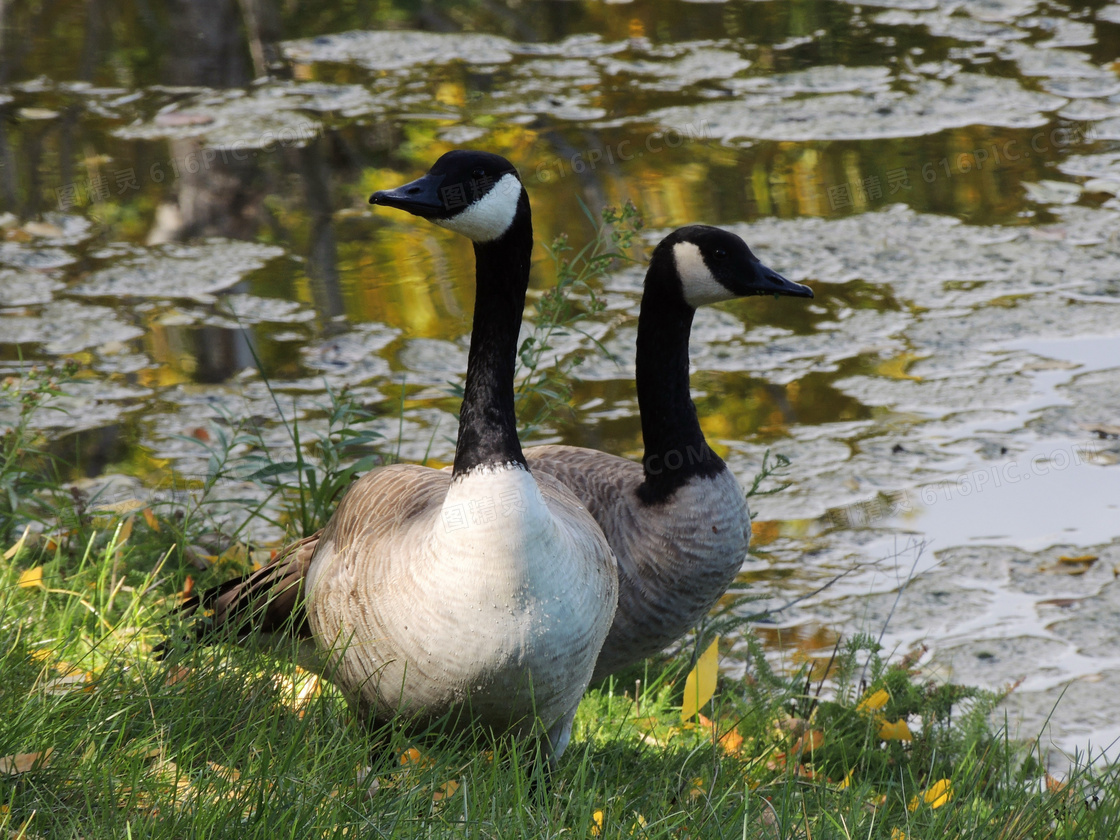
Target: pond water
{"x": 944, "y": 174}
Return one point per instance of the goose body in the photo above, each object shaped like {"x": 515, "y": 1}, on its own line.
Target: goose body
{"x": 476, "y": 595}
{"x": 678, "y": 522}
{"x": 485, "y": 596}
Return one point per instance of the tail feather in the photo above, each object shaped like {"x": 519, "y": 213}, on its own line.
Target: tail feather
{"x": 267, "y": 601}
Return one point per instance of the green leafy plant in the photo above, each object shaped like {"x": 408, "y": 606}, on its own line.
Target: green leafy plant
{"x": 544, "y": 376}
{"x": 776, "y": 469}
{"x": 323, "y": 467}
{"x": 30, "y": 488}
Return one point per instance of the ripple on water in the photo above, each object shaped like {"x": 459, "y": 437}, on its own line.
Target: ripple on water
{"x": 180, "y": 271}
{"x": 700, "y": 63}
{"x": 32, "y": 258}
{"x": 959, "y": 28}
{"x": 400, "y": 51}
{"x": 932, "y": 106}
{"x": 352, "y": 356}
{"x": 827, "y": 79}
{"x": 63, "y": 327}
{"x": 26, "y": 288}
{"x": 259, "y": 119}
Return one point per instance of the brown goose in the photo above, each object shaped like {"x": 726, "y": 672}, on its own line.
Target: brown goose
{"x": 479, "y": 594}
{"x": 678, "y": 521}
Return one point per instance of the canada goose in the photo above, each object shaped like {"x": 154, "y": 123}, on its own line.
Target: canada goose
{"x": 478, "y": 594}
{"x": 678, "y": 522}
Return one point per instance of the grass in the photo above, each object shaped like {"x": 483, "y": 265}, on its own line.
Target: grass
{"x": 99, "y": 739}
{"x": 242, "y": 743}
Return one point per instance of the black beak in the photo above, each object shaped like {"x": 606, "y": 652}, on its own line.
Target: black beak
{"x": 770, "y": 282}
{"x": 420, "y": 197}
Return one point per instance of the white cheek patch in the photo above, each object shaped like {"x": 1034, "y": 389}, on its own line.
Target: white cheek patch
{"x": 489, "y": 217}
{"x": 697, "y": 282}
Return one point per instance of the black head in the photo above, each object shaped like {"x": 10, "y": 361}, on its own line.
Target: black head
{"x": 713, "y": 265}
{"x": 477, "y": 194}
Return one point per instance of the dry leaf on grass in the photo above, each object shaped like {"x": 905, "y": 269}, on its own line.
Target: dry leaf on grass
{"x": 897, "y": 731}
{"x": 731, "y": 741}
{"x": 936, "y": 795}
{"x": 20, "y": 543}
{"x": 150, "y": 518}
{"x": 445, "y": 791}
{"x": 15, "y": 765}
{"x": 700, "y": 684}
{"x": 69, "y": 679}
{"x": 873, "y": 701}
{"x": 808, "y": 742}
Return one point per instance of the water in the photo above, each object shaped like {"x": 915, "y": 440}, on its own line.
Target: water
{"x": 944, "y": 175}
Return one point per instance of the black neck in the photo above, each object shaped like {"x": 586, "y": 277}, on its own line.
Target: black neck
{"x": 487, "y": 422}
{"x": 675, "y": 447}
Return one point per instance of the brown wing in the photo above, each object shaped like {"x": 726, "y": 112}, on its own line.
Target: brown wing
{"x": 269, "y": 600}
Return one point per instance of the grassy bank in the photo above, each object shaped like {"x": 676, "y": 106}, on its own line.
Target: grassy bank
{"x": 100, "y": 740}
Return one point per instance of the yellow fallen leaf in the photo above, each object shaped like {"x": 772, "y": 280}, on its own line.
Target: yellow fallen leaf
{"x": 936, "y": 795}
{"x": 939, "y": 793}
{"x": 700, "y": 684}
{"x": 125, "y": 531}
{"x": 15, "y": 549}
{"x": 228, "y": 774}
{"x": 897, "y": 731}
{"x": 1080, "y": 558}
{"x": 150, "y": 518}
{"x": 31, "y": 577}
{"x": 298, "y": 690}
{"x": 898, "y": 834}
{"x": 69, "y": 679}
{"x": 178, "y": 674}
{"x": 412, "y": 757}
{"x": 596, "y": 823}
{"x": 731, "y": 741}
{"x": 846, "y": 782}
{"x": 445, "y": 791}
{"x": 14, "y": 765}
{"x": 872, "y": 702}
{"x": 808, "y": 742}
{"x": 696, "y": 788}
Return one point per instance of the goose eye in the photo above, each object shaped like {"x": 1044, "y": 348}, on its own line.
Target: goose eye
{"x": 719, "y": 254}
{"x": 478, "y": 174}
